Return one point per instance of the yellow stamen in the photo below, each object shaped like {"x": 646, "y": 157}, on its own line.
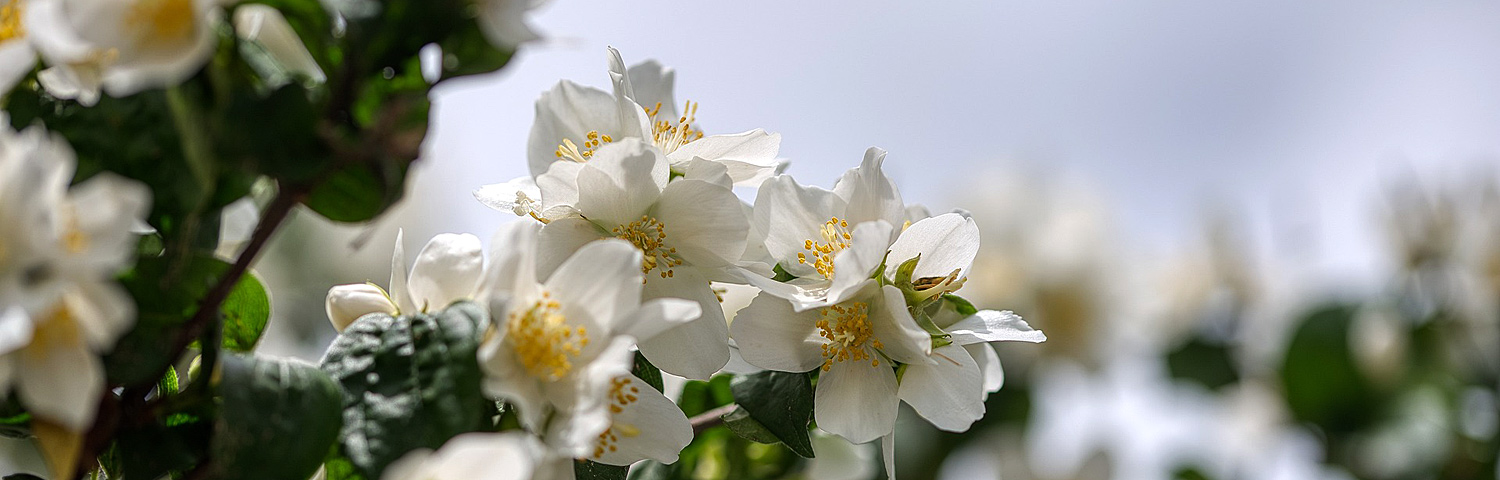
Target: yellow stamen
{"x": 621, "y": 395}
{"x": 10, "y": 20}
{"x": 669, "y": 136}
{"x": 581, "y": 154}
{"x": 650, "y": 236}
{"x": 836, "y": 238}
{"x": 848, "y": 331}
{"x": 164, "y": 22}
{"x": 543, "y": 340}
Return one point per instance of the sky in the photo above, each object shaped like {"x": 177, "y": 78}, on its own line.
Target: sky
{"x": 1292, "y": 116}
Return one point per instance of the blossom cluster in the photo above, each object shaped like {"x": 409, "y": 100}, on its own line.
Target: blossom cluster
{"x": 629, "y": 229}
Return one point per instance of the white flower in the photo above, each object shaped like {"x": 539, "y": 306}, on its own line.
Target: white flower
{"x": 59, "y": 306}
{"x": 856, "y": 344}
{"x": 447, "y": 270}
{"x": 119, "y": 46}
{"x": 560, "y": 350}
{"x": 264, "y": 26}
{"x": 829, "y": 240}
{"x": 17, "y": 56}
{"x": 690, "y": 231}
{"x": 473, "y": 456}
{"x": 574, "y": 121}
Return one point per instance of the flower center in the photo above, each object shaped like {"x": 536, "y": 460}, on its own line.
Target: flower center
{"x": 669, "y": 136}
{"x": 571, "y": 151}
{"x": 57, "y": 330}
{"x": 165, "y": 22}
{"x": 836, "y": 238}
{"x": 621, "y": 394}
{"x": 847, "y": 330}
{"x": 650, "y": 235}
{"x": 10, "y": 20}
{"x": 543, "y": 340}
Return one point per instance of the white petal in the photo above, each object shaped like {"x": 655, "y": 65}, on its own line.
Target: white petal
{"x": 15, "y": 330}
{"x": 399, "y": 291}
{"x": 558, "y": 188}
{"x": 697, "y": 348}
{"x": 513, "y": 270}
{"x": 771, "y": 336}
{"x": 16, "y": 60}
{"x": 805, "y": 294}
{"x": 582, "y": 400}
{"x": 264, "y": 25}
{"x": 106, "y": 208}
{"x": 704, "y": 222}
{"x": 601, "y": 281}
{"x": 888, "y": 454}
{"x": 946, "y": 243}
{"x": 569, "y": 111}
{"x": 658, "y": 315}
{"x": 519, "y": 196}
{"x": 700, "y": 169}
{"x": 477, "y": 456}
{"x": 346, "y": 303}
{"x": 993, "y": 326}
{"x": 652, "y": 84}
{"x": 503, "y": 22}
{"x": 557, "y": 241}
{"x": 81, "y": 83}
{"x": 619, "y": 184}
{"x": 870, "y": 194}
{"x": 61, "y": 381}
{"x": 507, "y": 379}
{"x": 949, "y": 393}
{"x": 790, "y": 214}
{"x": 651, "y": 427}
{"x": 989, "y": 366}
{"x": 904, "y": 341}
{"x": 750, "y": 157}
{"x": 447, "y": 270}
{"x": 854, "y": 265}
{"x": 856, "y": 401}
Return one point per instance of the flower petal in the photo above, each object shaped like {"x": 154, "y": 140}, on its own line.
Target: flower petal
{"x": 946, "y": 243}
{"x": 704, "y": 222}
{"x": 856, "y": 401}
{"x": 871, "y": 195}
{"x": 346, "y": 303}
{"x": 790, "y": 215}
{"x": 989, "y": 366}
{"x": 993, "y": 326}
{"x": 698, "y": 348}
{"x": 519, "y": 196}
{"x": 602, "y": 280}
{"x": 652, "y": 84}
{"x": 949, "y": 393}
{"x": 658, "y": 315}
{"x": 650, "y": 427}
{"x": 569, "y": 111}
{"x": 904, "y": 341}
{"x": 854, "y": 265}
{"x": 750, "y": 157}
{"x": 447, "y": 270}
{"x": 399, "y": 291}
{"x": 619, "y": 184}
{"x": 559, "y": 239}
{"x": 61, "y": 380}
{"x": 771, "y": 336}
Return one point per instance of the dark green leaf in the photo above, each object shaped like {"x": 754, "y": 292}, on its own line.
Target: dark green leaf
{"x": 644, "y": 370}
{"x": 353, "y": 194}
{"x": 409, "y": 382}
{"x": 782, "y": 402}
{"x": 1322, "y": 384}
{"x": 153, "y": 450}
{"x": 21, "y": 476}
{"x": 587, "y": 470}
{"x": 1204, "y": 362}
{"x": 165, "y": 297}
{"x": 277, "y": 419}
{"x": 739, "y": 422}
{"x": 245, "y": 312}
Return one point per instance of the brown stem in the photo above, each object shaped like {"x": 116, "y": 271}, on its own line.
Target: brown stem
{"x": 710, "y": 419}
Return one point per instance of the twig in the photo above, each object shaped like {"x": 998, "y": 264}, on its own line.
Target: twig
{"x": 710, "y": 419}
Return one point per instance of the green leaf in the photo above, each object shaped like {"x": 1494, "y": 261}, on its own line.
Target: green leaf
{"x": 1204, "y": 362}
{"x": 351, "y": 195}
{"x": 168, "y": 384}
{"x": 153, "y": 450}
{"x": 277, "y": 419}
{"x": 245, "y": 312}
{"x": 587, "y": 470}
{"x": 339, "y": 468}
{"x": 739, "y": 422}
{"x": 961, "y": 305}
{"x": 782, "y": 402}
{"x": 15, "y": 422}
{"x": 781, "y": 274}
{"x": 1321, "y": 381}
{"x": 166, "y": 296}
{"x": 409, "y": 382}
{"x": 644, "y": 370}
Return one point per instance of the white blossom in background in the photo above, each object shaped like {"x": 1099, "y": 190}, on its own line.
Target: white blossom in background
{"x": 560, "y": 349}
{"x": 17, "y": 55}
{"x": 690, "y": 230}
{"x": 504, "y": 22}
{"x": 119, "y": 47}
{"x": 265, "y": 26}
{"x": 447, "y": 270}
{"x": 59, "y": 306}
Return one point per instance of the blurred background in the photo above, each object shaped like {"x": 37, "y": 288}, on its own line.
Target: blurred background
{"x": 1262, "y": 237}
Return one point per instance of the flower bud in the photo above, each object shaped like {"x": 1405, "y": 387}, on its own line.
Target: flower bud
{"x": 347, "y": 303}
